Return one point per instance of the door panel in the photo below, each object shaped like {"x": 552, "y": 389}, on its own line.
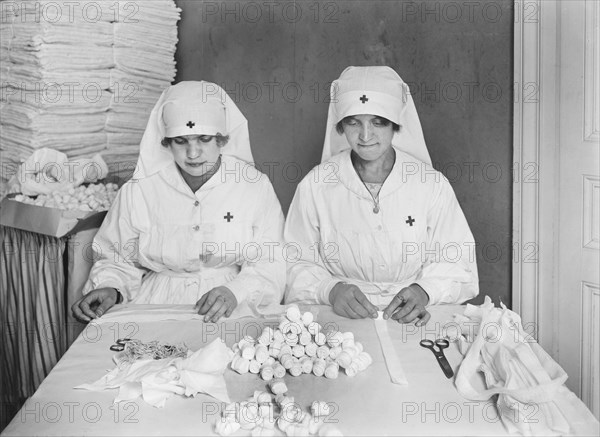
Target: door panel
{"x": 578, "y": 305}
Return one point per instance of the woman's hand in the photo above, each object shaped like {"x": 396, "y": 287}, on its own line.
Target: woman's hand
{"x": 218, "y": 302}
{"x": 347, "y": 300}
{"x": 94, "y": 304}
{"x": 408, "y": 305}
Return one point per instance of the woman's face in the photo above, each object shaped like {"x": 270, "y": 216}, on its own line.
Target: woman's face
{"x": 195, "y": 154}
{"x": 369, "y": 136}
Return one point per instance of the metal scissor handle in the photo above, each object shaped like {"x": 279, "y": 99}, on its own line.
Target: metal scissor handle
{"x": 120, "y": 345}
{"x": 441, "y": 343}
{"x": 438, "y": 352}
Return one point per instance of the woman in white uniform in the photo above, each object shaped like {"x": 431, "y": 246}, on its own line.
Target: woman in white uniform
{"x": 196, "y": 223}
{"x": 374, "y": 226}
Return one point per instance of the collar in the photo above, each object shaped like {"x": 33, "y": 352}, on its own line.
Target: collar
{"x": 348, "y": 176}
{"x": 231, "y": 169}
{"x": 203, "y": 179}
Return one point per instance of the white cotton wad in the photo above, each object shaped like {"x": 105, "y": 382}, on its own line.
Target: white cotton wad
{"x": 297, "y": 346}
{"x": 48, "y": 170}
{"x": 158, "y": 380}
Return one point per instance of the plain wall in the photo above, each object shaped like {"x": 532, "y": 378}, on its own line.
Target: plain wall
{"x": 276, "y": 60}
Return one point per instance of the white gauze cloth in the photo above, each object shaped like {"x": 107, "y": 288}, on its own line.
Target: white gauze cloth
{"x": 156, "y": 312}
{"x": 157, "y": 380}
{"x": 532, "y": 398}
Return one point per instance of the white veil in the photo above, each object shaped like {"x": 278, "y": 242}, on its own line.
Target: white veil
{"x": 376, "y": 90}
{"x": 154, "y": 157}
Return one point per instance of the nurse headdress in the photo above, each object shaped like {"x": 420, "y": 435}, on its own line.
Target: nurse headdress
{"x": 376, "y": 90}
{"x": 192, "y": 108}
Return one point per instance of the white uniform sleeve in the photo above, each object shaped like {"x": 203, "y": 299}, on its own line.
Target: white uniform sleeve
{"x": 449, "y": 273}
{"x": 308, "y": 279}
{"x": 115, "y": 249}
{"x": 262, "y": 279}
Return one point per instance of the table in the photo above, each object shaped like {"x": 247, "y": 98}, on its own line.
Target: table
{"x": 366, "y": 404}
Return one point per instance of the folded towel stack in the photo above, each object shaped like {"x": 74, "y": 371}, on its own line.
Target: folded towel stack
{"x": 144, "y": 43}
{"x": 82, "y": 77}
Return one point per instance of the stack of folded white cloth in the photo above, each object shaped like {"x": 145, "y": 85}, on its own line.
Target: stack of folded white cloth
{"x": 82, "y": 77}
{"x": 144, "y": 38}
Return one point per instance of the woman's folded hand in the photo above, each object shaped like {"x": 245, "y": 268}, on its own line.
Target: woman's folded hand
{"x": 94, "y": 304}
{"x": 409, "y": 305}
{"x": 348, "y": 301}
{"x": 218, "y": 302}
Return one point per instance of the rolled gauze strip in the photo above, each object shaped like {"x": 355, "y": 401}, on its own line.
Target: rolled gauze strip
{"x": 389, "y": 352}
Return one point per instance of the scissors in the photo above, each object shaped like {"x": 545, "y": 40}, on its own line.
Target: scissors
{"x": 120, "y": 345}
{"x": 441, "y": 344}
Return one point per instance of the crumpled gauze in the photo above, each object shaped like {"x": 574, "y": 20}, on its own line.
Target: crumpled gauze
{"x": 158, "y": 380}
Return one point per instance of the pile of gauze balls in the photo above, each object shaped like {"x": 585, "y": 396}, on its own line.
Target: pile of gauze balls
{"x": 261, "y": 412}
{"x": 94, "y": 197}
{"x": 298, "y": 346}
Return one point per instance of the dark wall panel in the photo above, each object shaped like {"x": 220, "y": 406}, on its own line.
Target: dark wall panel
{"x": 276, "y": 59}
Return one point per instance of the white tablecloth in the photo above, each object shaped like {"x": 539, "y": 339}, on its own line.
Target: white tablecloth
{"x": 366, "y": 404}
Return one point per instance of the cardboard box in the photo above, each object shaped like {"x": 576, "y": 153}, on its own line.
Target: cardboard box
{"x": 48, "y": 221}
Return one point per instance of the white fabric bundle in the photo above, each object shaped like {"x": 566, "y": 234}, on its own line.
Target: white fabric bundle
{"x": 82, "y": 77}
{"x": 158, "y": 380}
{"x": 532, "y": 398}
